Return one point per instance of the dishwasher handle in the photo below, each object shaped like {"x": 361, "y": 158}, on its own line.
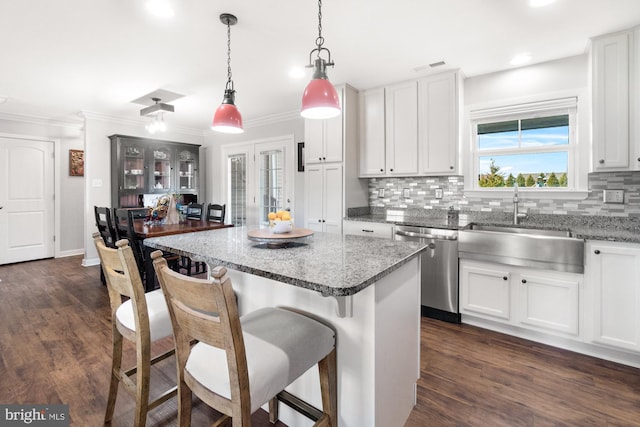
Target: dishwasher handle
{"x": 425, "y": 236}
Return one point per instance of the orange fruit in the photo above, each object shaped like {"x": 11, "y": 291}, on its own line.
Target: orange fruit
{"x": 272, "y": 216}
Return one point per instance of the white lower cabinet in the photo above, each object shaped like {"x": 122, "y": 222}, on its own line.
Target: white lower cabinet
{"x": 371, "y": 229}
{"x": 612, "y": 297}
{"x": 542, "y": 300}
{"x": 323, "y": 197}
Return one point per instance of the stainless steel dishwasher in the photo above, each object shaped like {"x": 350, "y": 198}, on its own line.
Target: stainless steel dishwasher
{"x": 439, "y": 270}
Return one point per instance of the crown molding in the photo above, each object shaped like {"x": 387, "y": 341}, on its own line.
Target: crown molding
{"x": 44, "y": 121}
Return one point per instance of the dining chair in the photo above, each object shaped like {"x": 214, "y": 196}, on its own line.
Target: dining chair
{"x": 142, "y": 319}
{"x": 106, "y": 229}
{"x": 216, "y": 212}
{"x": 241, "y": 363}
{"x": 194, "y": 211}
{"x": 124, "y": 220}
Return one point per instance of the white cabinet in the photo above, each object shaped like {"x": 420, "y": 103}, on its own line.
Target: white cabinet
{"x": 542, "y": 300}
{"x": 438, "y": 113}
{"x": 485, "y": 290}
{"x": 389, "y": 131}
{"x": 323, "y": 195}
{"x": 410, "y": 128}
{"x": 613, "y": 294}
{"x": 401, "y": 129}
{"x": 372, "y": 133}
{"x": 548, "y": 301}
{"x": 370, "y": 229}
{"x": 323, "y": 138}
{"x": 611, "y": 87}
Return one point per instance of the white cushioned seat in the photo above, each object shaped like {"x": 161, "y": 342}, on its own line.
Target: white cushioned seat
{"x": 159, "y": 318}
{"x": 280, "y": 346}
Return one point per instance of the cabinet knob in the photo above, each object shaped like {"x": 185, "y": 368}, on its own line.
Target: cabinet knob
{"x": 451, "y": 167}
{"x": 601, "y": 161}
{"x": 597, "y": 252}
{"x": 381, "y": 170}
{"x": 505, "y": 278}
{"x": 524, "y": 281}
{"x": 324, "y": 158}
{"x": 639, "y": 159}
{"x": 319, "y": 220}
{"x": 319, "y": 158}
{"x": 391, "y": 170}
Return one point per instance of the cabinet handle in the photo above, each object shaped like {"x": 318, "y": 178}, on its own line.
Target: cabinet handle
{"x": 505, "y": 278}
{"x": 601, "y": 161}
{"x": 366, "y": 231}
{"x": 524, "y": 281}
{"x": 597, "y": 252}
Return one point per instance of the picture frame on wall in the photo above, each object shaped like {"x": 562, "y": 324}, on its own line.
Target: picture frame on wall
{"x": 76, "y": 162}
{"x": 300, "y": 156}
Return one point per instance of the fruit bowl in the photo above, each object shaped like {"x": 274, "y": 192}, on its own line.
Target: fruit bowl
{"x": 281, "y": 226}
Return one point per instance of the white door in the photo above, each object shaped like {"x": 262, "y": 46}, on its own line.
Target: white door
{"x": 26, "y": 200}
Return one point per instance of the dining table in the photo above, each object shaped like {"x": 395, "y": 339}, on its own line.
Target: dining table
{"x": 145, "y": 230}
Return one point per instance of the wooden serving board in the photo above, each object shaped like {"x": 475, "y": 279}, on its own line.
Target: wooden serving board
{"x": 265, "y": 234}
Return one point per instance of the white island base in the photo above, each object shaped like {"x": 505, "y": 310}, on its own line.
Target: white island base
{"x": 378, "y": 344}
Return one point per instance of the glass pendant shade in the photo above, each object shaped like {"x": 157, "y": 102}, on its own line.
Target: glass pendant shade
{"x": 320, "y": 100}
{"x": 227, "y": 118}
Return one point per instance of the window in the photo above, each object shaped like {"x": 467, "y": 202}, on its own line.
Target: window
{"x": 531, "y": 145}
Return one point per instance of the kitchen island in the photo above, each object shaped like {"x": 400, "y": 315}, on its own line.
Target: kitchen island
{"x": 367, "y": 289}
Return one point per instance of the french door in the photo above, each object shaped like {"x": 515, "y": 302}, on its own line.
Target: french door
{"x": 258, "y": 179}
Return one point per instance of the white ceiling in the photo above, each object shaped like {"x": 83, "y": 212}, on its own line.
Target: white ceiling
{"x": 65, "y": 56}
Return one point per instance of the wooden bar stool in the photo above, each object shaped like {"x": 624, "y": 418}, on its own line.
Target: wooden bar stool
{"x": 241, "y": 363}
{"x": 141, "y": 319}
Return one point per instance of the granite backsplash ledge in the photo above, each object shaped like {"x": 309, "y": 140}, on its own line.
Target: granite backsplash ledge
{"x": 419, "y": 194}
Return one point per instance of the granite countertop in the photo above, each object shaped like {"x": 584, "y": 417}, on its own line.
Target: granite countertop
{"x": 583, "y": 227}
{"x": 333, "y": 265}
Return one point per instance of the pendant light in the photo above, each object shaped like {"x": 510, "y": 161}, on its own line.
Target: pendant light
{"x": 320, "y": 99}
{"x": 227, "y": 118}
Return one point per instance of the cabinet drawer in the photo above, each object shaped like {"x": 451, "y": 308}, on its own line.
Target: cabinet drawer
{"x": 371, "y": 229}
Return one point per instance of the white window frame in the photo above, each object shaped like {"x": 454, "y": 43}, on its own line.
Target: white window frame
{"x": 577, "y": 171}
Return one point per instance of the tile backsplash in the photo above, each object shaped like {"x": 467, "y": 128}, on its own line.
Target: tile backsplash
{"x": 421, "y": 192}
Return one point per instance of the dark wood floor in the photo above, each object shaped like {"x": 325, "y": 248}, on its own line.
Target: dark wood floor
{"x": 55, "y": 348}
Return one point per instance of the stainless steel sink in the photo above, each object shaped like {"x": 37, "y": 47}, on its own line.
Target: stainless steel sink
{"x": 520, "y": 230}
{"x": 525, "y": 247}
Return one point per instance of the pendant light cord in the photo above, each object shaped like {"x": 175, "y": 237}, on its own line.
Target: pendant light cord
{"x": 229, "y": 81}
{"x": 320, "y": 39}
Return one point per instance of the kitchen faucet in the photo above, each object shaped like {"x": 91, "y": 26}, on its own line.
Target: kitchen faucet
{"x": 516, "y": 216}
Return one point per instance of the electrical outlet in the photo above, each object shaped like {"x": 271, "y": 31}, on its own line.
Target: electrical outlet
{"x": 613, "y": 196}
{"x": 381, "y": 192}
{"x": 406, "y": 193}
{"x": 438, "y": 193}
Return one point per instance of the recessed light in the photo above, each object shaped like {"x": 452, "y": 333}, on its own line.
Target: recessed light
{"x": 160, "y": 8}
{"x": 297, "y": 72}
{"x": 540, "y": 3}
{"x": 520, "y": 59}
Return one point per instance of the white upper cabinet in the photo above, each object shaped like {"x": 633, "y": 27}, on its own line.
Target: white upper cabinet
{"x": 438, "y": 109}
{"x": 401, "y": 119}
{"x": 372, "y": 138}
{"x": 323, "y": 138}
{"x": 611, "y": 86}
{"x": 410, "y": 128}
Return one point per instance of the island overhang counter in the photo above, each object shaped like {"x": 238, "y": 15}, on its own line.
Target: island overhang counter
{"x": 374, "y": 307}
